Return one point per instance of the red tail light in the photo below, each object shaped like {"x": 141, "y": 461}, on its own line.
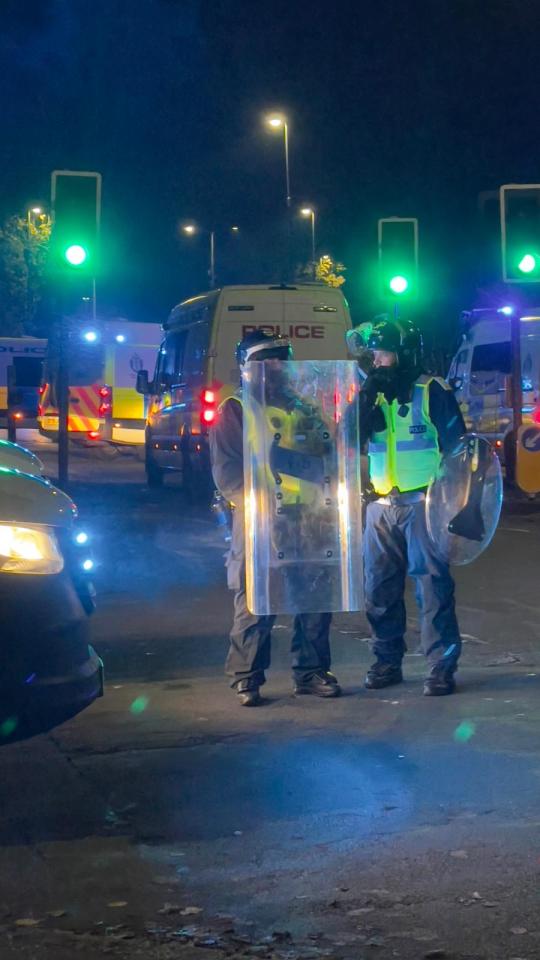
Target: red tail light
{"x": 42, "y": 389}
{"x": 536, "y": 415}
{"x": 208, "y": 409}
{"x": 39, "y": 410}
{"x": 93, "y": 434}
{"x": 104, "y": 409}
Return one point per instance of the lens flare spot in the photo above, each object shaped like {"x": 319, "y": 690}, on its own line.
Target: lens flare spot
{"x": 464, "y": 731}
{"x": 8, "y": 726}
{"x": 139, "y": 705}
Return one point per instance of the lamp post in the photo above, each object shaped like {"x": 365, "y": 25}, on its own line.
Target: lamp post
{"x": 310, "y": 212}
{"x": 191, "y": 229}
{"x": 33, "y": 214}
{"x": 276, "y": 121}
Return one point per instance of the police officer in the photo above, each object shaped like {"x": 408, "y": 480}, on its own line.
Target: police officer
{"x": 249, "y": 652}
{"x": 409, "y": 419}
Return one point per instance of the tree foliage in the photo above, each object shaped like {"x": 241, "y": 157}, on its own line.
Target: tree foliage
{"x": 330, "y": 272}
{"x": 23, "y": 256}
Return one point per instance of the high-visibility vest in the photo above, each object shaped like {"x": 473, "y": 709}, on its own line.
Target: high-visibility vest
{"x": 283, "y": 427}
{"x": 405, "y": 455}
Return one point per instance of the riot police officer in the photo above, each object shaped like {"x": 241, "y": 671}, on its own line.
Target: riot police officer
{"x": 250, "y": 638}
{"x": 408, "y": 419}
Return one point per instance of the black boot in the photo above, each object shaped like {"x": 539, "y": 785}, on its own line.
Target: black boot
{"x": 440, "y": 683}
{"x": 382, "y": 675}
{"x": 247, "y": 692}
{"x": 321, "y": 684}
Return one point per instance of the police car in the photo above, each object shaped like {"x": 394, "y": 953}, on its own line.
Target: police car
{"x": 48, "y": 670}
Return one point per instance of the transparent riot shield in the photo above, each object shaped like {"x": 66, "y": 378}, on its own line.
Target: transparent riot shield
{"x": 463, "y": 502}
{"x": 302, "y": 486}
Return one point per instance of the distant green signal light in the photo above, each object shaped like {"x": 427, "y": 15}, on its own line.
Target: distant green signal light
{"x": 75, "y": 255}
{"x": 528, "y": 263}
{"x": 399, "y": 284}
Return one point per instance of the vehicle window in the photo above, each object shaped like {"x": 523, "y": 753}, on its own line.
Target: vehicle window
{"x": 196, "y": 350}
{"x": 492, "y": 356}
{"x": 171, "y": 357}
{"x": 86, "y": 365}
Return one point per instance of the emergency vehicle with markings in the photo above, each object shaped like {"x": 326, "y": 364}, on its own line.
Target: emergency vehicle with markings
{"x": 103, "y": 362}
{"x": 195, "y": 368}
{"x": 21, "y": 364}
{"x": 481, "y": 369}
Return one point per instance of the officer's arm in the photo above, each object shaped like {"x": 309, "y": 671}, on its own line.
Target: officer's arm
{"x": 446, "y": 416}
{"x": 226, "y": 451}
{"x": 371, "y": 417}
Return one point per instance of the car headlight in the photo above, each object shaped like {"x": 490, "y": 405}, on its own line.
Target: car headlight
{"x": 29, "y": 550}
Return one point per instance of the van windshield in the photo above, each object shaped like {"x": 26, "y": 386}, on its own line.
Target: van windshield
{"x": 492, "y": 356}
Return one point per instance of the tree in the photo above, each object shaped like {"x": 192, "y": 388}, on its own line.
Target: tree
{"x": 330, "y": 272}
{"x": 23, "y": 256}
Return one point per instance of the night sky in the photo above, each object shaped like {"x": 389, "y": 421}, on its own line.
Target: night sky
{"x": 399, "y": 107}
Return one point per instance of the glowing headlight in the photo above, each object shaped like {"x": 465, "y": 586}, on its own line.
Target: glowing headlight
{"x": 29, "y": 550}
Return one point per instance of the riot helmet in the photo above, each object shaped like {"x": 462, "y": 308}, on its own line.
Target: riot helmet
{"x": 394, "y": 336}
{"x": 258, "y": 345}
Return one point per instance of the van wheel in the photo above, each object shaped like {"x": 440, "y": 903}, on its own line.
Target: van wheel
{"x": 154, "y": 475}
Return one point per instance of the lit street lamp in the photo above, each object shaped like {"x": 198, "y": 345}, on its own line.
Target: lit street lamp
{"x": 310, "y": 212}
{"x": 37, "y": 213}
{"x": 191, "y": 229}
{"x": 276, "y": 121}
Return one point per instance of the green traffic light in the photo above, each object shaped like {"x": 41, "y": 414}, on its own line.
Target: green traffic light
{"x": 528, "y": 263}
{"x": 399, "y": 284}
{"x": 75, "y": 255}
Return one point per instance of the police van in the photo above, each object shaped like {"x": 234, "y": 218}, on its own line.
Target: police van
{"x": 195, "y": 367}
{"x": 481, "y": 369}
{"x": 21, "y": 361}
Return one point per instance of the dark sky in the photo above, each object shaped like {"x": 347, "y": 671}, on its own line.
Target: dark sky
{"x": 396, "y": 107}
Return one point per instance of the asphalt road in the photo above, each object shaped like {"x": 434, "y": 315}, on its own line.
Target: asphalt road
{"x": 166, "y": 820}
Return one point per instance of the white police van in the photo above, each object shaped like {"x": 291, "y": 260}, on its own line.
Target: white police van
{"x": 196, "y": 369}
{"x": 481, "y": 369}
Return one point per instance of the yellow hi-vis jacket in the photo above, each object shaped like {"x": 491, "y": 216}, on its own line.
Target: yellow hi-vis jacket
{"x": 405, "y": 455}
{"x": 296, "y": 430}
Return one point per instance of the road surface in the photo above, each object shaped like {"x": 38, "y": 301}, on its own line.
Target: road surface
{"x": 167, "y": 821}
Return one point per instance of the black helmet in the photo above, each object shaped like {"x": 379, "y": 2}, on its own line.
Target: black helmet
{"x": 258, "y": 345}
{"x": 396, "y": 336}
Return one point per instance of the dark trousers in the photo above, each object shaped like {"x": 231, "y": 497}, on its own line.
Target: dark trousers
{"x": 249, "y": 652}
{"x": 396, "y": 543}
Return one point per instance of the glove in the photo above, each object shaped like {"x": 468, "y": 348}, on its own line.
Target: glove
{"x": 380, "y": 380}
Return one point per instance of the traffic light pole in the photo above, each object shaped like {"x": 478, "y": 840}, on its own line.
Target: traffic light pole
{"x": 517, "y": 389}
{"x": 62, "y": 388}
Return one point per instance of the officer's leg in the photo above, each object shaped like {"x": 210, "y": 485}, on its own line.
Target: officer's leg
{"x": 310, "y": 648}
{"x": 385, "y": 564}
{"x": 249, "y": 651}
{"x": 440, "y": 639}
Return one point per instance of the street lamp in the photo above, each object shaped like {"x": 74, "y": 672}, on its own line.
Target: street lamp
{"x": 191, "y": 229}
{"x": 37, "y": 211}
{"x": 276, "y": 121}
{"x": 310, "y": 212}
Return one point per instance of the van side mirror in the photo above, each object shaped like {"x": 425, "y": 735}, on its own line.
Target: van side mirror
{"x": 456, "y": 383}
{"x": 142, "y": 384}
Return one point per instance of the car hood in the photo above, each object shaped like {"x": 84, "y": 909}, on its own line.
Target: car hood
{"x": 13, "y": 455}
{"x": 29, "y": 499}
